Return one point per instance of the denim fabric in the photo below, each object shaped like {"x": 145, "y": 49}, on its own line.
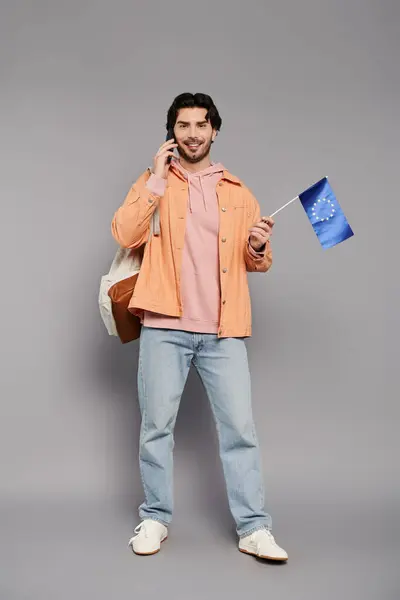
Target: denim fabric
{"x": 165, "y": 358}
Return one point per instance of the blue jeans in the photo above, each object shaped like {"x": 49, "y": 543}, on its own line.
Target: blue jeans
{"x": 165, "y": 357}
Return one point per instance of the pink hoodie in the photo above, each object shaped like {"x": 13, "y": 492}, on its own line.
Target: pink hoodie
{"x": 200, "y": 284}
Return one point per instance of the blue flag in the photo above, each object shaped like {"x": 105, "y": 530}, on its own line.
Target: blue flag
{"x": 325, "y": 214}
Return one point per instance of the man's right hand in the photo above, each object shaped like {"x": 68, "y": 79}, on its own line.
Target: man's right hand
{"x": 160, "y": 164}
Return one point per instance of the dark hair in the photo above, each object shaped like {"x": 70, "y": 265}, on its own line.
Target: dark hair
{"x": 188, "y": 100}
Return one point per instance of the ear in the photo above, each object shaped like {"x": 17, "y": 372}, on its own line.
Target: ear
{"x": 214, "y": 134}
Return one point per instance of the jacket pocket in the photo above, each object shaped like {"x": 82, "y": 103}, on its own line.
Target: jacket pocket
{"x": 242, "y": 211}
{"x": 133, "y": 195}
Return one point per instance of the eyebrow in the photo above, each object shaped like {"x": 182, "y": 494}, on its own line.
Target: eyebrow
{"x": 187, "y": 122}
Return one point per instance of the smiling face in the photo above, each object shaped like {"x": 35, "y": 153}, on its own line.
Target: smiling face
{"x": 193, "y": 134}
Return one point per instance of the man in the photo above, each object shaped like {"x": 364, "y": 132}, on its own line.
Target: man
{"x": 193, "y": 300}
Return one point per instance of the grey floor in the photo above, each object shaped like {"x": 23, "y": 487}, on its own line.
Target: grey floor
{"x": 79, "y": 550}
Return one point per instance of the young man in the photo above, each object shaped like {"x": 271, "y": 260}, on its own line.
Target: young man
{"x": 193, "y": 300}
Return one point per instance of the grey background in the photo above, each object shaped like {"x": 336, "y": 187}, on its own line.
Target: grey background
{"x": 305, "y": 89}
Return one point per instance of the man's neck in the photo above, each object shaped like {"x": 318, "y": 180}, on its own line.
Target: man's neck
{"x": 195, "y": 167}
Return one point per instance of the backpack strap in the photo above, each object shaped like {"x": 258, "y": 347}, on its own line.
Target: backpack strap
{"x": 155, "y": 223}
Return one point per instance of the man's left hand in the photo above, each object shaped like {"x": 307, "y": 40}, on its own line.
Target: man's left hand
{"x": 260, "y": 233}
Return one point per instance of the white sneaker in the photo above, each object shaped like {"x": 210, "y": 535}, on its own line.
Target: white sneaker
{"x": 262, "y": 543}
{"x": 148, "y": 538}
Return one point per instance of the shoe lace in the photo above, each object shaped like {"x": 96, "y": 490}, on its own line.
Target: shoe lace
{"x": 141, "y": 527}
{"x": 267, "y": 532}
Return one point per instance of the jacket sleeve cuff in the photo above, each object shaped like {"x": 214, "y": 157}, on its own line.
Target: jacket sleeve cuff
{"x": 156, "y": 185}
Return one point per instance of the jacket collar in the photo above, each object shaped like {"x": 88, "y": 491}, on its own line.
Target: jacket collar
{"x": 232, "y": 178}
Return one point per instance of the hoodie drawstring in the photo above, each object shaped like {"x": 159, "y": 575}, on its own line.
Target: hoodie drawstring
{"x": 214, "y": 168}
{"x": 202, "y": 191}
{"x": 190, "y": 182}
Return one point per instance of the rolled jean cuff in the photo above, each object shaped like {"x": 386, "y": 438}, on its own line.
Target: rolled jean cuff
{"x": 257, "y": 528}
{"x": 147, "y": 518}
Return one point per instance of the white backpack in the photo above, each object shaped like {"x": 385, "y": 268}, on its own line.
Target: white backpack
{"x": 127, "y": 262}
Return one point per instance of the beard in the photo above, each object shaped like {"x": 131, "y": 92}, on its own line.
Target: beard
{"x": 204, "y": 150}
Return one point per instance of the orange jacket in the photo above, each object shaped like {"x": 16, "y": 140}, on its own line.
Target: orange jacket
{"x": 158, "y": 285}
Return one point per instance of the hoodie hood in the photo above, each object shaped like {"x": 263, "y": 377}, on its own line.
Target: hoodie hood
{"x": 199, "y": 181}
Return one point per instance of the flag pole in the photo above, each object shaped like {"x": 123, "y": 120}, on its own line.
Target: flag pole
{"x": 294, "y": 199}
{"x": 284, "y": 206}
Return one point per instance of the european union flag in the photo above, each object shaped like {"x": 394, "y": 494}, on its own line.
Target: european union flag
{"x": 325, "y": 214}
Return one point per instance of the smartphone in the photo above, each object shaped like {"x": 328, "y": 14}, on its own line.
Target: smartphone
{"x": 170, "y": 135}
